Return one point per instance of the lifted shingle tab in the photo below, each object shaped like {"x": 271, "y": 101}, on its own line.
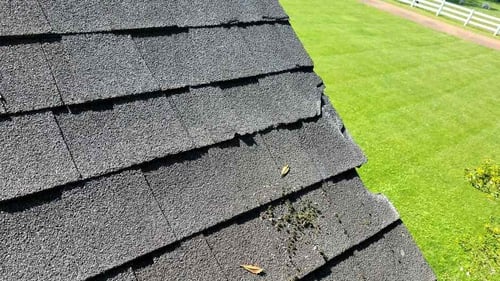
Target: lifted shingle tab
{"x": 203, "y": 13}
{"x": 26, "y": 82}
{"x": 33, "y": 156}
{"x": 91, "y": 228}
{"x": 22, "y": 17}
{"x": 105, "y": 140}
{"x": 90, "y": 67}
{"x": 217, "y": 113}
{"x": 342, "y": 155}
{"x": 192, "y": 260}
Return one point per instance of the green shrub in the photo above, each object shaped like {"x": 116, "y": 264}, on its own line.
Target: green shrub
{"x": 486, "y": 178}
{"x": 483, "y": 263}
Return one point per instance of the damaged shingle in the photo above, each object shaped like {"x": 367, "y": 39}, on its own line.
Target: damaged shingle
{"x": 217, "y": 113}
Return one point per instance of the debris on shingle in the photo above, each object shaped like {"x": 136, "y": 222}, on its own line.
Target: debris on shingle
{"x": 194, "y": 197}
{"x": 251, "y": 242}
{"x": 254, "y": 269}
{"x": 26, "y": 82}
{"x": 90, "y": 67}
{"x": 33, "y": 156}
{"x": 284, "y": 146}
{"x": 217, "y": 113}
{"x": 22, "y": 17}
{"x": 192, "y": 260}
{"x": 129, "y": 133}
{"x": 90, "y": 228}
{"x": 309, "y": 224}
{"x": 95, "y": 15}
{"x": 285, "y": 170}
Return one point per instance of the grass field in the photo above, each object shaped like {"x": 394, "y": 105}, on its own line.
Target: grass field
{"x": 422, "y": 105}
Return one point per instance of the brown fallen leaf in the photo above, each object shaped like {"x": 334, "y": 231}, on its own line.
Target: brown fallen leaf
{"x": 285, "y": 170}
{"x": 252, "y": 268}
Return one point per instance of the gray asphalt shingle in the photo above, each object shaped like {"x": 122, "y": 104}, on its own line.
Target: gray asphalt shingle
{"x": 126, "y": 134}
{"x": 204, "y": 55}
{"x": 92, "y": 227}
{"x": 361, "y": 213}
{"x": 89, "y": 67}
{"x": 95, "y": 15}
{"x": 22, "y": 17}
{"x": 193, "y": 197}
{"x": 271, "y": 46}
{"x": 192, "y": 260}
{"x": 343, "y": 154}
{"x": 33, "y": 156}
{"x": 26, "y": 82}
{"x": 252, "y": 242}
{"x": 203, "y": 13}
{"x": 394, "y": 256}
{"x": 216, "y": 114}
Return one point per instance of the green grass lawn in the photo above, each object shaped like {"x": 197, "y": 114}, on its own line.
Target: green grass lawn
{"x": 423, "y": 106}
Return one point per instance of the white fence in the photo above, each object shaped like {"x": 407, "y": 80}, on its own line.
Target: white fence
{"x": 457, "y": 12}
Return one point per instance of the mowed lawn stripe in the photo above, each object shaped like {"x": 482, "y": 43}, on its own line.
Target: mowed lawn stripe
{"x": 423, "y": 106}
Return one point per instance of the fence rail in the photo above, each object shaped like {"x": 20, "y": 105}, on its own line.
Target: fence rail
{"x": 459, "y": 13}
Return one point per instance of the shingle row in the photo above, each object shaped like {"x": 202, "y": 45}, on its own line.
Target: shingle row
{"x": 393, "y": 257}
{"x": 91, "y": 227}
{"x": 25, "y": 17}
{"x": 130, "y": 132}
{"x": 219, "y": 254}
{"x": 203, "y": 55}
{"x": 246, "y": 168}
{"x": 104, "y": 222}
{"x": 81, "y": 68}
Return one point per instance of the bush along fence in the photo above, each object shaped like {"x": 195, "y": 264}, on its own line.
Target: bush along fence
{"x": 457, "y": 12}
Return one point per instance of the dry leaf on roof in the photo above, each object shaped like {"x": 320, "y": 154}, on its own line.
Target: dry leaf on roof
{"x": 285, "y": 170}
{"x": 252, "y": 268}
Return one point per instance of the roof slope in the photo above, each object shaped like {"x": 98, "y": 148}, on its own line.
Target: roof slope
{"x": 143, "y": 140}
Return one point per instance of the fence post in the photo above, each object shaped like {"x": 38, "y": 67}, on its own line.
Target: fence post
{"x": 498, "y": 30}
{"x": 440, "y": 8}
{"x": 413, "y": 3}
{"x": 469, "y": 18}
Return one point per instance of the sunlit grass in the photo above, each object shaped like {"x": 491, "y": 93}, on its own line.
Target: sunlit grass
{"x": 423, "y": 106}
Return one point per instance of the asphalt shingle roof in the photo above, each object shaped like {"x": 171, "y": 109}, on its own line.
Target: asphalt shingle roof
{"x": 144, "y": 140}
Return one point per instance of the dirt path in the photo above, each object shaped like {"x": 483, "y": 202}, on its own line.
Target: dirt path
{"x": 435, "y": 24}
